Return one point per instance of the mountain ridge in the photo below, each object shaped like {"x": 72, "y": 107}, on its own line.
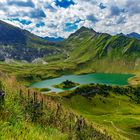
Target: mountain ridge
{"x": 134, "y": 35}
{"x": 97, "y": 50}
{"x": 19, "y": 44}
{"x": 85, "y": 45}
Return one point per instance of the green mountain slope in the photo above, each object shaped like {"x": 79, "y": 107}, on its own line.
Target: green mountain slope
{"x": 99, "y": 45}
{"x": 88, "y": 48}
{"x": 84, "y": 47}
{"x": 84, "y": 51}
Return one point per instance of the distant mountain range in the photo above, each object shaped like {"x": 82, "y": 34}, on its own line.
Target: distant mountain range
{"x": 134, "y": 35}
{"x": 83, "y": 47}
{"x": 52, "y": 39}
{"x": 131, "y": 35}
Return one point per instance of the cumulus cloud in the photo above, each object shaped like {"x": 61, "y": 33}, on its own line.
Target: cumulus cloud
{"x": 21, "y": 3}
{"x": 62, "y": 17}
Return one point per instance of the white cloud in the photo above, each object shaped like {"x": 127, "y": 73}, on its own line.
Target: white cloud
{"x": 118, "y": 16}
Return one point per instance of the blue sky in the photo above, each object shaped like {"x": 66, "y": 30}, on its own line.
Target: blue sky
{"x": 60, "y": 18}
{"x": 64, "y": 3}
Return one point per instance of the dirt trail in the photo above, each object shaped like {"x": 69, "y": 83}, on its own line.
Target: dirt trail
{"x": 120, "y": 130}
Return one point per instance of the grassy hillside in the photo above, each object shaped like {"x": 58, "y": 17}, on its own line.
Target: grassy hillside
{"x": 98, "y": 45}
{"x": 87, "y": 46}
{"x": 14, "y": 124}
{"x": 115, "y": 109}
{"x": 38, "y": 116}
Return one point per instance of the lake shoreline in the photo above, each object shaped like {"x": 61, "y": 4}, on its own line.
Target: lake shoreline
{"x": 92, "y": 78}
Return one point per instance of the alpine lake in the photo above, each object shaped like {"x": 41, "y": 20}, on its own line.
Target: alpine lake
{"x": 96, "y": 78}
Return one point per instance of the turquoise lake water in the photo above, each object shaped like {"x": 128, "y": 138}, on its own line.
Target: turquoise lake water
{"x": 100, "y": 78}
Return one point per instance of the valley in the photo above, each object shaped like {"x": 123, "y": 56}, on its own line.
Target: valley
{"x": 35, "y": 74}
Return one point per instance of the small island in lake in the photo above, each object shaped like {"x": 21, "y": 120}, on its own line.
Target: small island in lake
{"x": 66, "y": 85}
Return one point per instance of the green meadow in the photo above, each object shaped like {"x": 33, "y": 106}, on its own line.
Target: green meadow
{"x": 117, "y": 114}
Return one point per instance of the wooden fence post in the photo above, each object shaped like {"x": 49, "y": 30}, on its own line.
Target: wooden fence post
{"x": 28, "y": 93}
{"x": 20, "y": 92}
{"x": 34, "y": 98}
{"x": 42, "y": 102}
